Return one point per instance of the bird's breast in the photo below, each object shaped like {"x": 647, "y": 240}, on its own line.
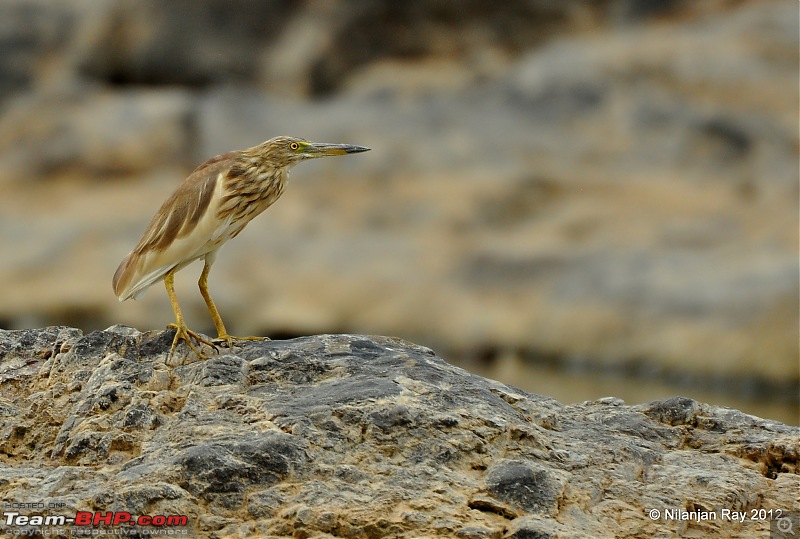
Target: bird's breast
{"x": 244, "y": 199}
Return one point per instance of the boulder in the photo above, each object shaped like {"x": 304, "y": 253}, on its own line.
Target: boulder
{"x": 364, "y": 436}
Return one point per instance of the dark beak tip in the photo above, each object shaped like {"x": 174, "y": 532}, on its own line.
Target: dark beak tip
{"x": 357, "y": 149}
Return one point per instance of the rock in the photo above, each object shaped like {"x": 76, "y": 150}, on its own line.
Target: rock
{"x": 96, "y": 133}
{"x": 356, "y": 436}
{"x": 534, "y": 489}
{"x": 32, "y": 31}
{"x": 295, "y": 48}
{"x": 184, "y": 43}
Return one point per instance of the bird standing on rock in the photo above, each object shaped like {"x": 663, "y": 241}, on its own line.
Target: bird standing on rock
{"x": 210, "y": 207}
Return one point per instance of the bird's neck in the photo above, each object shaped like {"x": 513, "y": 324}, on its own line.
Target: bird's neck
{"x": 255, "y": 179}
{"x": 259, "y": 171}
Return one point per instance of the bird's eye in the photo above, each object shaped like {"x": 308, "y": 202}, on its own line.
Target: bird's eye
{"x": 294, "y": 145}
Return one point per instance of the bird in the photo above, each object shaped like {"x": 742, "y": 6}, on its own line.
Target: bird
{"x": 211, "y": 206}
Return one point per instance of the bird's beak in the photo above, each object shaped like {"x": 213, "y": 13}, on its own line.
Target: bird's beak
{"x": 321, "y": 149}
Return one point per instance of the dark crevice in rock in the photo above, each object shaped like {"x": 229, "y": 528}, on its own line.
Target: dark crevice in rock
{"x": 488, "y": 505}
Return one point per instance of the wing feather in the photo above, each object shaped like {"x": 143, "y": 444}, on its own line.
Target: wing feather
{"x": 179, "y": 233}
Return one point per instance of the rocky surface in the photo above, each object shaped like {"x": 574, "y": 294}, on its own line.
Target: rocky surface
{"x": 363, "y": 437}
{"x": 610, "y": 184}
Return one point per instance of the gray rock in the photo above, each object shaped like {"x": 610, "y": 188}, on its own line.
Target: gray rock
{"x": 203, "y": 42}
{"x": 355, "y": 436}
{"x": 95, "y": 131}
{"x": 532, "y": 487}
{"x": 189, "y": 43}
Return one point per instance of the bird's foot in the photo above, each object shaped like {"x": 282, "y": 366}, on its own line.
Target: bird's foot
{"x": 183, "y": 333}
{"x": 227, "y": 340}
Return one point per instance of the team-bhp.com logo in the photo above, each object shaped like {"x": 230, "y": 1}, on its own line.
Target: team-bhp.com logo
{"x": 13, "y": 519}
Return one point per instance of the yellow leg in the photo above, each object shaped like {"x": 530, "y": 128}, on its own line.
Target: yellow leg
{"x": 182, "y": 333}
{"x": 222, "y": 333}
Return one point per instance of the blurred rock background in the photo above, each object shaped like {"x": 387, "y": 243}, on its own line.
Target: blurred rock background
{"x": 578, "y": 198}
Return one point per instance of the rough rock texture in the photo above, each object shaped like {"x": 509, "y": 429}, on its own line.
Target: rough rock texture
{"x": 355, "y": 436}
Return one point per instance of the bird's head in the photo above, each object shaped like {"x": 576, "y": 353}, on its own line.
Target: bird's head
{"x": 287, "y": 151}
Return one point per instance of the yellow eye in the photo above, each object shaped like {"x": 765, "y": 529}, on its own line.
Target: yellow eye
{"x": 294, "y": 145}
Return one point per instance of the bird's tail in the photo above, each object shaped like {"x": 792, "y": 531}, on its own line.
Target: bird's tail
{"x": 128, "y": 280}
{"x": 122, "y": 278}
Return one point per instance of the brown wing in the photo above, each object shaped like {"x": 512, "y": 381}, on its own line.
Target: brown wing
{"x": 168, "y": 241}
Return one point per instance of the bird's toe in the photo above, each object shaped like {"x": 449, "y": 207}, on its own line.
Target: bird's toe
{"x": 183, "y": 333}
{"x": 228, "y": 340}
